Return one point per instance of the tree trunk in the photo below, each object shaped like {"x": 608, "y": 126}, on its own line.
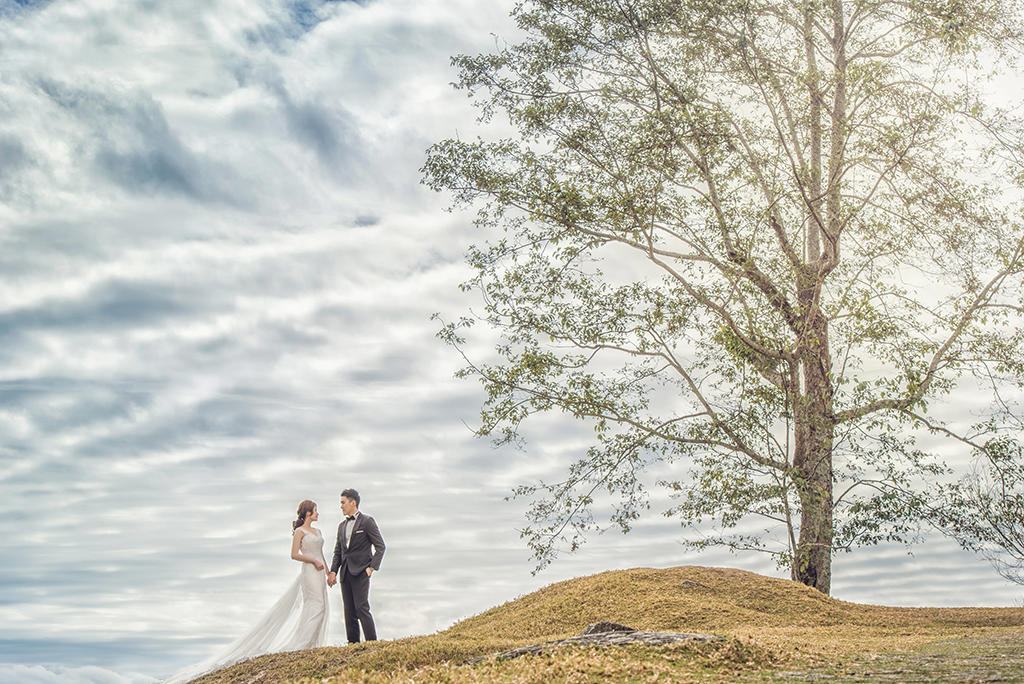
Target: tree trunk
{"x": 812, "y": 462}
{"x": 812, "y": 409}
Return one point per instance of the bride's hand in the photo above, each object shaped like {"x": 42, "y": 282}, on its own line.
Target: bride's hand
{"x": 318, "y": 565}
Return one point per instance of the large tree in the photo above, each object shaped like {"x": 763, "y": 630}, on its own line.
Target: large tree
{"x": 752, "y": 237}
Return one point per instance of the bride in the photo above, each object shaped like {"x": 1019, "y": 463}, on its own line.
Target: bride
{"x": 299, "y": 618}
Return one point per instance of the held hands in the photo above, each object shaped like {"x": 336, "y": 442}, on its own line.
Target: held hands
{"x": 332, "y": 577}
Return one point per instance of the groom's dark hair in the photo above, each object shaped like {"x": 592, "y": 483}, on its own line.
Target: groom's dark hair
{"x": 352, "y": 495}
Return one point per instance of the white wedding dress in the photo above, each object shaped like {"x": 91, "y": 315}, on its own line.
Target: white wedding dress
{"x": 297, "y": 621}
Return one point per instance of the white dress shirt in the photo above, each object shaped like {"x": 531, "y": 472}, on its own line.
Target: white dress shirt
{"x": 349, "y": 526}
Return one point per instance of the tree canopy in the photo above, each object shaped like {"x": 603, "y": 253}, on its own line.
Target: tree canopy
{"x": 756, "y": 239}
{"x": 984, "y": 510}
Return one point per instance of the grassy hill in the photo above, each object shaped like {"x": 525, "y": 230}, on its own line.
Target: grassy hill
{"x": 771, "y": 625}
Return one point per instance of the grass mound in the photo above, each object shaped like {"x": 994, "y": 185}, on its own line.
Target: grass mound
{"x": 767, "y": 622}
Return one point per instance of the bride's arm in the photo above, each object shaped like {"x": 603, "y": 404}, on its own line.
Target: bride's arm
{"x": 297, "y": 555}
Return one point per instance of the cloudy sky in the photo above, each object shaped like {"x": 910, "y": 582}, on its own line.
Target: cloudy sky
{"x": 218, "y": 270}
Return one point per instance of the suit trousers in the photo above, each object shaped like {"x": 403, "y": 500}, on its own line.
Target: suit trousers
{"x": 355, "y": 594}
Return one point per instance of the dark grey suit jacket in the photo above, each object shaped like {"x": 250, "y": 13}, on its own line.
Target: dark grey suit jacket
{"x": 358, "y": 556}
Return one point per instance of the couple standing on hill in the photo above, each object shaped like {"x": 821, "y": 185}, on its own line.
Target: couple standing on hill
{"x": 299, "y": 618}
{"x": 357, "y": 554}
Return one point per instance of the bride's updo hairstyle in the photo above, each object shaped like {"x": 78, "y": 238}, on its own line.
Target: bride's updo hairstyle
{"x": 305, "y": 508}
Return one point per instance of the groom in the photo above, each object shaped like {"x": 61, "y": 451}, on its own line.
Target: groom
{"x": 352, "y": 557}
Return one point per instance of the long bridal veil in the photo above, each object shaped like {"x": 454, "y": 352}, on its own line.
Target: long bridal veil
{"x": 298, "y": 620}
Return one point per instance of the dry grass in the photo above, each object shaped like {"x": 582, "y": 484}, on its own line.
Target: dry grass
{"x": 770, "y": 624}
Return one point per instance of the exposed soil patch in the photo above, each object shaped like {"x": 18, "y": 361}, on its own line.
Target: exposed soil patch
{"x": 605, "y": 634}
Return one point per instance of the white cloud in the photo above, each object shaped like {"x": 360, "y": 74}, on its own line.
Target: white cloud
{"x": 37, "y": 674}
